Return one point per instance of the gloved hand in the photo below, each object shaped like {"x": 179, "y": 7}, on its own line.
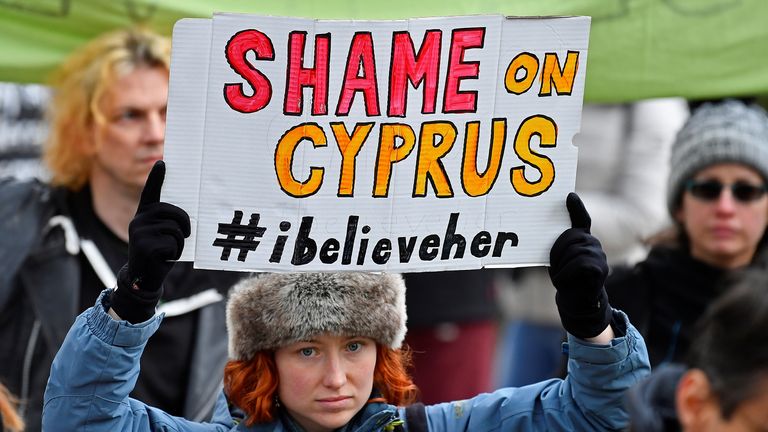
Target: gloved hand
{"x": 155, "y": 240}
{"x": 578, "y": 269}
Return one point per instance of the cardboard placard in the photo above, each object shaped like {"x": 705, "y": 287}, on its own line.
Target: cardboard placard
{"x": 410, "y": 145}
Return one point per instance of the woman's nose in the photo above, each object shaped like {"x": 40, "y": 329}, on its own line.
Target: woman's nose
{"x": 725, "y": 203}
{"x": 335, "y": 373}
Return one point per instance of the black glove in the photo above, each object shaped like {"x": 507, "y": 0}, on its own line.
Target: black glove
{"x": 155, "y": 240}
{"x": 578, "y": 269}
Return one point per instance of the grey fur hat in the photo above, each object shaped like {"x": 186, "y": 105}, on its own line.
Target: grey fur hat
{"x": 271, "y": 310}
{"x": 729, "y": 131}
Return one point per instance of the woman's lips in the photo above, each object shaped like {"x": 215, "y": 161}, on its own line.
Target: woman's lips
{"x": 336, "y": 402}
{"x": 723, "y": 232}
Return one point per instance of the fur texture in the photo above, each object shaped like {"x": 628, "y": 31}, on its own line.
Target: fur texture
{"x": 273, "y": 310}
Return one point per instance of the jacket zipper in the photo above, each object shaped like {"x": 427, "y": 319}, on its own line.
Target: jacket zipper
{"x": 27, "y": 370}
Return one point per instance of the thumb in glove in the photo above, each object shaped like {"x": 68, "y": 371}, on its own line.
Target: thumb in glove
{"x": 578, "y": 268}
{"x": 155, "y": 240}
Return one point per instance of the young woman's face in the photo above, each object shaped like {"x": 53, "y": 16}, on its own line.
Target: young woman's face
{"x": 324, "y": 382}
{"x": 724, "y": 230}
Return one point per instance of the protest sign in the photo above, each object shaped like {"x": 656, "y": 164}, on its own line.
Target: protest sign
{"x": 408, "y": 145}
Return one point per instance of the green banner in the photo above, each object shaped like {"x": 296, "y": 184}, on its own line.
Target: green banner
{"x": 638, "y": 48}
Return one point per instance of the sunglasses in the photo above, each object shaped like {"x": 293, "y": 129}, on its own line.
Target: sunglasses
{"x": 709, "y": 190}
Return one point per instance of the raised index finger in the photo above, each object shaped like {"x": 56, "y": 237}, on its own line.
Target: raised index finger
{"x": 579, "y": 216}
{"x": 151, "y": 192}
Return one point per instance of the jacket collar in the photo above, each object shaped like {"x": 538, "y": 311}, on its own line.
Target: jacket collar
{"x": 373, "y": 417}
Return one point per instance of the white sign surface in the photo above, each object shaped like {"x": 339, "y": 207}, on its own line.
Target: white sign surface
{"x": 414, "y": 145}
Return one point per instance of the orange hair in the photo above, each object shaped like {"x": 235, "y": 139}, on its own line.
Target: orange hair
{"x": 79, "y": 85}
{"x": 391, "y": 376}
{"x": 252, "y": 384}
{"x": 11, "y": 420}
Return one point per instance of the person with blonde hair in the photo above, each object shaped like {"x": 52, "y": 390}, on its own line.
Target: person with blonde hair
{"x": 63, "y": 241}
{"x": 84, "y": 111}
{"x": 322, "y": 352}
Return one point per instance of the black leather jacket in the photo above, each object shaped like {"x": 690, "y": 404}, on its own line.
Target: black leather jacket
{"x": 39, "y": 290}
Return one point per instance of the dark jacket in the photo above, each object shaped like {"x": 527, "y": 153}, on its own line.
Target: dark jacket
{"x": 651, "y": 403}
{"x": 664, "y": 296}
{"x": 39, "y": 294}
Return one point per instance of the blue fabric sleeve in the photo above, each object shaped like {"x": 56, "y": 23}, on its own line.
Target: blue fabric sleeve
{"x": 590, "y": 398}
{"x": 95, "y": 370}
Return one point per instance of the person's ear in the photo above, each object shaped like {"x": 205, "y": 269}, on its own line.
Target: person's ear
{"x": 696, "y": 403}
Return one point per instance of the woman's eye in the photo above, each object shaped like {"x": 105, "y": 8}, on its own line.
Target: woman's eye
{"x": 354, "y": 346}
{"x": 307, "y": 352}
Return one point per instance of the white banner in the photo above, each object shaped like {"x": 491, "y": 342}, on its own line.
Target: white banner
{"x": 412, "y": 145}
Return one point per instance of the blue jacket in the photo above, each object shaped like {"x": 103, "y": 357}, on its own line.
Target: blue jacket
{"x": 96, "y": 368}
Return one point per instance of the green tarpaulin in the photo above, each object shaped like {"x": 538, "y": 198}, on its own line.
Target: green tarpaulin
{"x": 638, "y": 48}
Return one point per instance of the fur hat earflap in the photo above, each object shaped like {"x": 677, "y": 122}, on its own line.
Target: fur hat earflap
{"x": 272, "y": 310}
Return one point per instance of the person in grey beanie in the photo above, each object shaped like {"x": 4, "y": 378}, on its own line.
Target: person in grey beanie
{"x": 322, "y": 352}
{"x": 717, "y": 199}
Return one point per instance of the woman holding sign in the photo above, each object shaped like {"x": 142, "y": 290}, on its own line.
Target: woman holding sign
{"x": 322, "y": 351}
{"x": 717, "y": 197}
